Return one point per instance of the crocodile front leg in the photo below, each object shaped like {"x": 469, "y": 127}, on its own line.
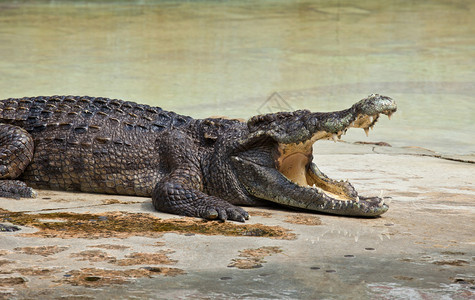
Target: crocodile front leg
{"x": 16, "y": 152}
{"x": 181, "y": 190}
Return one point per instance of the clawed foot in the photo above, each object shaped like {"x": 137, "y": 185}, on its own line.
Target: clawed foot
{"x": 230, "y": 212}
{"x": 179, "y": 199}
{"x": 8, "y": 228}
{"x": 16, "y": 189}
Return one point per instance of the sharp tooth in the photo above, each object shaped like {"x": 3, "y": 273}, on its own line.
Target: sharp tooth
{"x": 357, "y": 199}
{"x": 334, "y": 137}
{"x": 319, "y": 190}
{"x": 372, "y": 127}
{"x": 389, "y": 115}
{"x": 366, "y": 130}
{"x": 371, "y": 119}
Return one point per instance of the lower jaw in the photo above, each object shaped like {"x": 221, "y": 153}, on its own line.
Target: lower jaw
{"x": 327, "y": 202}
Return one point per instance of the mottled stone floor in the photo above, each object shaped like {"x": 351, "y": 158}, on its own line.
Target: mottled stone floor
{"x": 84, "y": 246}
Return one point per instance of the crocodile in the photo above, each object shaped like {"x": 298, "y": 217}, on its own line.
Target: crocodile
{"x": 205, "y": 168}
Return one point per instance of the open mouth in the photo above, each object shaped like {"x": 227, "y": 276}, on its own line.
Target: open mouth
{"x": 294, "y": 162}
{"x": 292, "y": 179}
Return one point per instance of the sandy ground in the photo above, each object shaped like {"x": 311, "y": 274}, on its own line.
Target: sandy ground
{"x": 84, "y": 246}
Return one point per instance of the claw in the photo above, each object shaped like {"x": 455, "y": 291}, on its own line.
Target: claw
{"x": 236, "y": 215}
{"x": 222, "y": 215}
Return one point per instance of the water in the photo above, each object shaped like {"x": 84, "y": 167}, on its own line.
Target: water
{"x": 226, "y": 58}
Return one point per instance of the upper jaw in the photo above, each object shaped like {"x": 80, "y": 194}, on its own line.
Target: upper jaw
{"x": 302, "y": 125}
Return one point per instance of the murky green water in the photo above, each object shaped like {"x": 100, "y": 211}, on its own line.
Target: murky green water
{"x": 226, "y": 58}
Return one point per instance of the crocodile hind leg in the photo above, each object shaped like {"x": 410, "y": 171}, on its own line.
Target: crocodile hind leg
{"x": 16, "y": 152}
{"x": 181, "y": 191}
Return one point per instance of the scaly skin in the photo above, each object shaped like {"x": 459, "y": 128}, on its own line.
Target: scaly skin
{"x": 200, "y": 168}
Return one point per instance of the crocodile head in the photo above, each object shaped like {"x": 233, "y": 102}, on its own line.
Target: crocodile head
{"x": 274, "y": 162}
